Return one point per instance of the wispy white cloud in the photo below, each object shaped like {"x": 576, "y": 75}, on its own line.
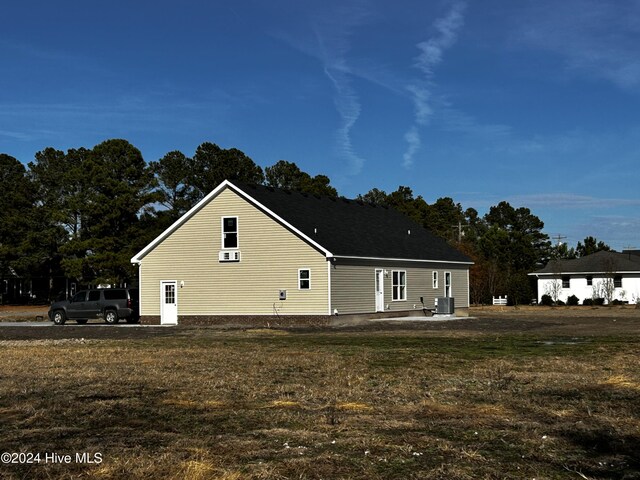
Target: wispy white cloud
{"x": 618, "y": 231}
{"x": 573, "y": 201}
{"x": 15, "y": 135}
{"x": 348, "y": 106}
{"x": 39, "y": 53}
{"x": 55, "y": 123}
{"x": 454, "y": 120}
{"x": 333, "y": 35}
{"x": 330, "y": 43}
{"x": 596, "y": 38}
{"x": 412, "y": 137}
{"x": 431, "y": 54}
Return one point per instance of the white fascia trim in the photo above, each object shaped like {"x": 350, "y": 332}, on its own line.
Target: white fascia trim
{"x": 378, "y": 259}
{"x": 195, "y": 209}
{"x": 582, "y": 273}
{"x": 198, "y": 206}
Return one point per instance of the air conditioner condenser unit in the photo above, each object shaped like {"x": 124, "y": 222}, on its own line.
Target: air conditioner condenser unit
{"x": 445, "y": 306}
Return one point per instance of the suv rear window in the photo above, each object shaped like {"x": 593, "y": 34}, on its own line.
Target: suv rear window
{"x": 115, "y": 294}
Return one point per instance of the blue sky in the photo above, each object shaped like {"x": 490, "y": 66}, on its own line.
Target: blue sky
{"x": 533, "y": 102}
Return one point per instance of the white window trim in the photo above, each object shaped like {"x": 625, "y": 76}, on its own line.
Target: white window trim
{"x": 434, "y": 279}
{"x": 222, "y": 219}
{"x": 393, "y": 285}
{"x": 300, "y": 279}
{"x": 448, "y": 286}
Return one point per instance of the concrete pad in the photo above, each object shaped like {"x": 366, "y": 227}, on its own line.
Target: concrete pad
{"x": 435, "y": 318}
{"x": 71, "y": 323}
{"x": 26, "y": 324}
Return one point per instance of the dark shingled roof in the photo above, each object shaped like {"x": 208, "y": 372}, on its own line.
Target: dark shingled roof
{"x": 352, "y": 228}
{"x": 599, "y": 262}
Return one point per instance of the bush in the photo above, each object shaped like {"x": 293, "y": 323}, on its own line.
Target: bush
{"x": 573, "y": 300}
{"x": 598, "y": 301}
{"x": 560, "y": 303}
{"x": 546, "y": 300}
{"x": 587, "y": 302}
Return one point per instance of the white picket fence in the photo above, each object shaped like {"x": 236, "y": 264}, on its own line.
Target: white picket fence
{"x": 500, "y": 300}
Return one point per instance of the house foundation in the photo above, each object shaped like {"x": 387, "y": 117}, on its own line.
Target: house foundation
{"x": 269, "y": 321}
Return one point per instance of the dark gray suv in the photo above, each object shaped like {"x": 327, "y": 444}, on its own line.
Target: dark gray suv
{"x": 110, "y": 304}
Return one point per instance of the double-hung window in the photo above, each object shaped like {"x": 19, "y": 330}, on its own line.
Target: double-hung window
{"x": 434, "y": 279}
{"x": 229, "y": 232}
{"x": 399, "y": 285}
{"x": 304, "y": 279}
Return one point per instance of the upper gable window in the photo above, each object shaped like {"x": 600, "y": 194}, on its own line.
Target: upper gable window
{"x": 229, "y": 232}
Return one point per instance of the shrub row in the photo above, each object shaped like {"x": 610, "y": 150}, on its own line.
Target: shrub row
{"x": 573, "y": 300}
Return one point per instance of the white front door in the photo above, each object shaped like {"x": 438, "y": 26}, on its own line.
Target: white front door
{"x": 169, "y": 302}
{"x": 379, "y": 290}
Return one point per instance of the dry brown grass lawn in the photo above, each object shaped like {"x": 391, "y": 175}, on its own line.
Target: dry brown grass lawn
{"x": 211, "y": 404}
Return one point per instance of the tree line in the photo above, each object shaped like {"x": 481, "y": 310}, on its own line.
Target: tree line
{"x": 82, "y": 214}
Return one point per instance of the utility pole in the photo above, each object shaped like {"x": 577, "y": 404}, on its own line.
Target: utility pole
{"x": 628, "y": 249}
{"x": 559, "y": 239}
{"x": 460, "y": 229}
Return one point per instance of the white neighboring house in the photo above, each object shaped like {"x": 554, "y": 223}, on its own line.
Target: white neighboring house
{"x": 608, "y": 275}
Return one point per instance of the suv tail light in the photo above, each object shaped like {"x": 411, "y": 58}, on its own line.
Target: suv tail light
{"x": 129, "y": 303}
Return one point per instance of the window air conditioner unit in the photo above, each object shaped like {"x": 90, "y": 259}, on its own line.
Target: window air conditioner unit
{"x": 229, "y": 256}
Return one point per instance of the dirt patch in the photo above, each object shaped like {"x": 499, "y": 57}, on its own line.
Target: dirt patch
{"x": 614, "y": 311}
{"x": 485, "y": 321}
{"x": 13, "y": 313}
{"x": 488, "y": 320}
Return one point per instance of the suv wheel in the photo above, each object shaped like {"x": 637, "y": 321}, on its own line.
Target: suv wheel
{"x": 111, "y": 317}
{"x": 59, "y": 317}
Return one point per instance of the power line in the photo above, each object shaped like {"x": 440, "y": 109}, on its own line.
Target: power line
{"x": 558, "y": 238}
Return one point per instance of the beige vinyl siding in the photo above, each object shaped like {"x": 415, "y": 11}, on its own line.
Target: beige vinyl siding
{"x": 353, "y": 288}
{"x": 459, "y": 285}
{"x": 270, "y": 259}
{"x": 353, "y": 285}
